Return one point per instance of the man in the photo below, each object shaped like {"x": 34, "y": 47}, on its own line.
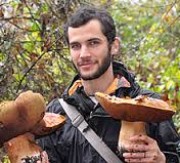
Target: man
{"x": 91, "y": 37}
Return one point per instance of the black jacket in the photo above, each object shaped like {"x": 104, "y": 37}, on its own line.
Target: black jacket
{"x": 68, "y": 145}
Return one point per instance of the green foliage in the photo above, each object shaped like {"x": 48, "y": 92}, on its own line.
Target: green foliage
{"x": 32, "y": 43}
{"x": 150, "y": 45}
{"x": 33, "y": 54}
{"x": 5, "y": 159}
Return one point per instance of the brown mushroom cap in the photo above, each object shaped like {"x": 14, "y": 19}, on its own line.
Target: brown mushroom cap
{"x": 27, "y": 114}
{"x": 142, "y": 108}
{"x": 48, "y": 124}
{"x": 20, "y": 115}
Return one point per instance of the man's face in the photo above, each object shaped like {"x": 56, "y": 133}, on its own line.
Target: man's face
{"x": 89, "y": 49}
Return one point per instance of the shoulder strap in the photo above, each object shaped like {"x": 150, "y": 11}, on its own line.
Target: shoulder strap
{"x": 79, "y": 122}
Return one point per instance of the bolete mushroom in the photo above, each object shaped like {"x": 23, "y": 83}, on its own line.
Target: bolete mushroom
{"x": 23, "y": 149}
{"x": 21, "y": 115}
{"x": 134, "y": 113}
{"x": 21, "y": 120}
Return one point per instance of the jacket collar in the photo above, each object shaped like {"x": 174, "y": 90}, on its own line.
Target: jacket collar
{"x": 123, "y": 85}
{"x": 119, "y": 81}
{"x": 123, "y": 78}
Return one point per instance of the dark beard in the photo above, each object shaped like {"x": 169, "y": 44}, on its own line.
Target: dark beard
{"x": 104, "y": 66}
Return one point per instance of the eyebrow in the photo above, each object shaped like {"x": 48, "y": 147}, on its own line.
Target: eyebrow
{"x": 94, "y": 39}
{"x": 91, "y": 39}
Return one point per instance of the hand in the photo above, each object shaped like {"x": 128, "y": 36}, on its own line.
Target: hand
{"x": 44, "y": 157}
{"x": 143, "y": 149}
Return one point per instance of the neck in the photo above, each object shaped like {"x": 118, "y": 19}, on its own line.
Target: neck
{"x": 100, "y": 84}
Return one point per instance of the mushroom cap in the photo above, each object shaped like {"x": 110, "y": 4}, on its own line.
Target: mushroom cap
{"x": 141, "y": 108}
{"x": 49, "y": 123}
{"x": 20, "y": 115}
{"x": 27, "y": 114}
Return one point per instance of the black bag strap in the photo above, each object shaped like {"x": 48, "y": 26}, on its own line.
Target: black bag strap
{"x": 97, "y": 143}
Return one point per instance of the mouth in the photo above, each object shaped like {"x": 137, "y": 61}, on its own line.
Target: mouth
{"x": 85, "y": 64}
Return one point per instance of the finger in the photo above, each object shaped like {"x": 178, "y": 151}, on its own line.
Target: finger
{"x": 136, "y": 147}
{"x": 143, "y": 160}
{"x": 143, "y": 138}
{"x": 139, "y": 157}
{"x": 44, "y": 157}
{"x": 140, "y": 160}
{"x": 132, "y": 155}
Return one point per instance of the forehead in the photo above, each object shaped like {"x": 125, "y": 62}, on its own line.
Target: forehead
{"x": 90, "y": 30}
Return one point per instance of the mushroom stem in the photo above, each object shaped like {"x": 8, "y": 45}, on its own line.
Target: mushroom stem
{"x": 23, "y": 148}
{"x": 129, "y": 129}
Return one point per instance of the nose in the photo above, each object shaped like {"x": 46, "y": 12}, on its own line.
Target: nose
{"x": 84, "y": 52}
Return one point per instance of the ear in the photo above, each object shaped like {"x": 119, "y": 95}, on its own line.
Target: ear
{"x": 115, "y": 46}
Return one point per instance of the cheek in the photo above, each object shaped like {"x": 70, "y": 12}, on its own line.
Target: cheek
{"x": 74, "y": 55}
{"x": 74, "y": 58}
{"x": 104, "y": 53}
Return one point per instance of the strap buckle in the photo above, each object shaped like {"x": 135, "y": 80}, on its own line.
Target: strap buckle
{"x": 77, "y": 120}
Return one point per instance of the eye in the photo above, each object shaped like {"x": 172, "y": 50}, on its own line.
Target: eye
{"x": 93, "y": 43}
{"x": 75, "y": 46}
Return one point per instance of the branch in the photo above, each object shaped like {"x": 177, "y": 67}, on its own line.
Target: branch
{"x": 31, "y": 67}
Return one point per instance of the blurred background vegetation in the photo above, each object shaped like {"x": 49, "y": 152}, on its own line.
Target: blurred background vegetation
{"x": 33, "y": 54}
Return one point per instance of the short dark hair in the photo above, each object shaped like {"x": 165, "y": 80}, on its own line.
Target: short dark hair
{"x": 86, "y": 13}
